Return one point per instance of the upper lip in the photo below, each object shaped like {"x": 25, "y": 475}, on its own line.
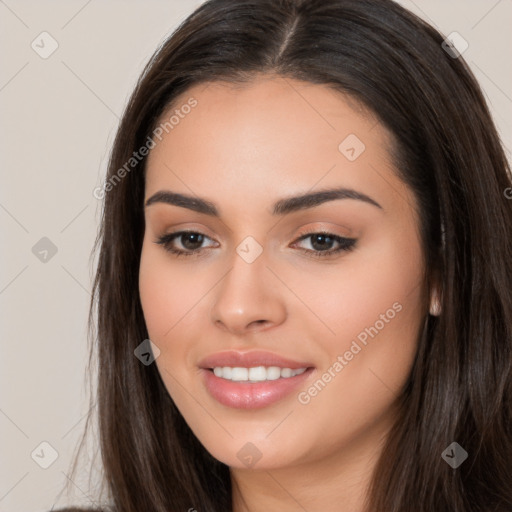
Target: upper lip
{"x": 250, "y": 360}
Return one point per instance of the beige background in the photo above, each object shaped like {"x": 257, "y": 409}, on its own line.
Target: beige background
{"x": 58, "y": 118}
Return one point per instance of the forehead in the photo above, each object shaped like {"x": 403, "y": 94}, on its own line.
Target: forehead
{"x": 273, "y": 133}
{"x": 295, "y": 118}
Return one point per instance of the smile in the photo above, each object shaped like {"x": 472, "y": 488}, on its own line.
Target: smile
{"x": 253, "y": 379}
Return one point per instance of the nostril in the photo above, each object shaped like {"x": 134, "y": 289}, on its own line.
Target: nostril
{"x": 261, "y": 322}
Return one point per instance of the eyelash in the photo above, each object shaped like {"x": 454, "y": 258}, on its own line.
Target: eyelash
{"x": 346, "y": 244}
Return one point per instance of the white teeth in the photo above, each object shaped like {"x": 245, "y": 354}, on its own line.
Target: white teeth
{"x": 286, "y": 372}
{"x": 255, "y": 374}
{"x": 273, "y": 373}
{"x": 258, "y": 373}
{"x": 238, "y": 374}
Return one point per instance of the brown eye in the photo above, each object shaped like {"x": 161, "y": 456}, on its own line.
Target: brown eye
{"x": 190, "y": 241}
{"x": 322, "y": 242}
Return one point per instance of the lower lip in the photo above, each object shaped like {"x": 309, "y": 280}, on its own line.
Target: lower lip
{"x": 251, "y": 395}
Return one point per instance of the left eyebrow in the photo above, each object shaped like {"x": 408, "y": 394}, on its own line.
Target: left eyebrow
{"x": 281, "y": 207}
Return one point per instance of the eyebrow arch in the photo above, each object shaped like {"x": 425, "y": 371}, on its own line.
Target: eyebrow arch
{"x": 281, "y": 207}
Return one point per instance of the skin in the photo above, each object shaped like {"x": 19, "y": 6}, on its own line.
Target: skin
{"x": 243, "y": 148}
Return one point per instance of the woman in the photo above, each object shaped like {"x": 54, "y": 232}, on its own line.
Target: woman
{"x": 339, "y": 337}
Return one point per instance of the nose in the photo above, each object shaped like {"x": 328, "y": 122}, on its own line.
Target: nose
{"x": 248, "y": 298}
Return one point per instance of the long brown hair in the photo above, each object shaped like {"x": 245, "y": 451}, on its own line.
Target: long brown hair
{"x": 448, "y": 152}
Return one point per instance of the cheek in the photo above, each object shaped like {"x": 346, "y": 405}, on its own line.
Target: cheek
{"x": 376, "y": 313}
{"x": 372, "y": 293}
{"x": 165, "y": 299}
{"x": 174, "y": 302}
{"x": 166, "y": 291}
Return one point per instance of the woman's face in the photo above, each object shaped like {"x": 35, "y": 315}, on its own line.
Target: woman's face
{"x": 265, "y": 290}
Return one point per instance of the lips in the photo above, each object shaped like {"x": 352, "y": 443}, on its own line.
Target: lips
{"x": 247, "y": 394}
